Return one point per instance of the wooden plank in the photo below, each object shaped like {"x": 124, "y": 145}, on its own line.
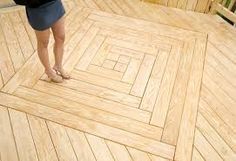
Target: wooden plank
{"x": 219, "y": 80}
{"x": 182, "y": 4}
{"x": 224, "y": 113}
{"x": 91, "y": 4}
{"x": 7, "y": 142}
{"x": 90, "y": 53}
{"x": 120, "y": 67}
{"x": 157, "y": 158}
{"x": 167, "y": 84}
{"x": 172, "y": 123}
{"x": 138, "y": 155}
{"x": 140, "y": 47}
{"x": 109, "y": 64}
{"x": 185, "y": 140}
{"x": 142, "y": 78}
{"x": 132, "y": 71}
{"x": 172, "y": 3}
{"x": 114, "y": 7}
{"x": 28, "y": 28}
{"x": 107, "y": 73}
{"x": 80, "y": 145}
{"x": 201, "y": 6}
{"x": 102, "y": 92}
{"x": 91, "y": 113}
{"x": 6, "y": 66}
{"x": 154, "y": 82}
{"x": 225, "y": 131}
{"x": 80, "y": 49}
{"x": 191, "y": 5}
{"x": 101, "y": 81}
{"x": 12, "y": 42}
{"x": 217, "y": 60}
{"x": 221, "y": 95}
{"x": 95, "y": 128}
{"x": 101, "y": 55}
{"x": 119, "y": 152}
{"x": 103, "y": 6}
{"x": 42, "y": 140}
{"x": 61, "y": 142}
{"x": 128, "y": 52}
{"x": 100, "y": 149}
{"x": 205, "y": 148}
{"x": 145, "y": 39}
{"x": 24, "y": 141}
{"x": 93, "y": 101}
{"x": 21, "y": 34}
{"x": 196, "y": 155}
{"x": 141, "y": 25}
{"x": 215, "y": 139}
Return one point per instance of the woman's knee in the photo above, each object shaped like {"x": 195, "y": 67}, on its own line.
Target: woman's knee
{"x": 60, "y": 38}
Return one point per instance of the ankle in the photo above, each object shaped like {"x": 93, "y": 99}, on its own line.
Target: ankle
{"x": 56, "y": 67}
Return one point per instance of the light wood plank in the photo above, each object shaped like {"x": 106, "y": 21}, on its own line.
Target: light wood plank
{"x": 154, "y": 82}
{"x": 204, "y": 148}
{"x": 114, "y": 7}
{"x": 157, "y": 158}
{"x": 128, "y": 52}
{"x": 93, "y": 101}
{"x": 12, "y": 42}
{"x": 225, "y": 131}
{"x": 61, "y": 142}
{"x": 101, "y": 81}
{"x": 197, "y": 156}
{"x": 171, "y": 129}
{"x": 143, "y": 76}
{"x": 101, "y": 55}
{"x": 167, "y": 84}
{"x": 140, "y": 47}
{"x": 90, "y": 53}
{"x": 102, "y": 92}
{"x": 24, "y": 141}
{"x": 185, "y": 140}
{"x": 221, "y": 95}
{"x": 132, "y": 71}
{"x": 80, "y": 145}
{"x": 120, "y": 67}
{"x": 42, "y": 140}
{"x": 80, "y": 49}
{"x": 88, "y": 112}
{"x": 6, "y": 65}
{"x": 21, "y": 34}
{"x": 8, "y": 150}
{"x": 109, "y": 64}
{"x": 214, "y": 139}
{"x": 100, "y": 149}
{"x": 138, "y": 155}
{"x": 95, "y": 128}
{"x": 107, "y": 73}
{"x": 224, "y": 113}
{"x": 118, "y": 151}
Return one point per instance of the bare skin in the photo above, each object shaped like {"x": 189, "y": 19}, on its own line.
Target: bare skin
{"x": 55, "y": 73}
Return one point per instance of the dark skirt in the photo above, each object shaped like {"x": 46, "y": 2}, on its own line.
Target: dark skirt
{"x": 43, "y": 17}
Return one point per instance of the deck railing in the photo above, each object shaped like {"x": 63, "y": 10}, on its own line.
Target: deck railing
{"x": 226, "y": 8}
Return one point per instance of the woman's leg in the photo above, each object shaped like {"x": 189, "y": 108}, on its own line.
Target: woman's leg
{"x": 42, "y": 47}
{"x": 58, "y": 30}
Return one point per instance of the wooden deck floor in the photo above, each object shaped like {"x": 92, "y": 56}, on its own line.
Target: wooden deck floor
{"x": 149, "y": 83}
